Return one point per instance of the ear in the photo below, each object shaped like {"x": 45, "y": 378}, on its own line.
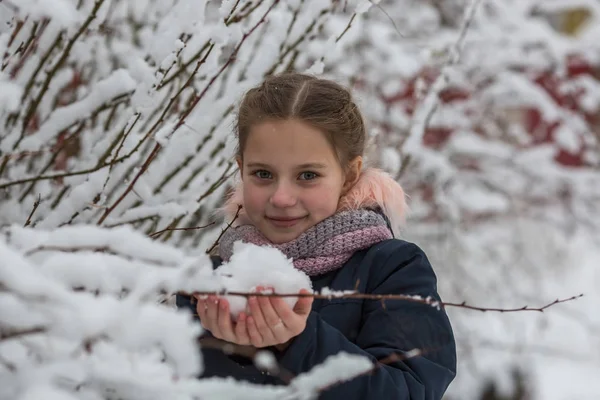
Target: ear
{"x": 240, "y": 163}
{"x": 352, "y": 173}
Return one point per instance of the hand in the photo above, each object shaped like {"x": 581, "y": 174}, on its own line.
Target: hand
{"x": 271, "y": 323}
{"x": 215, "y": 317}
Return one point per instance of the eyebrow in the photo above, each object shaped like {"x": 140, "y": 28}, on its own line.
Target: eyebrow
{"x": 301, "y": 166}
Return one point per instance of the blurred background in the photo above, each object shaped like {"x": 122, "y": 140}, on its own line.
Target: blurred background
{"x": 487, "y": 112}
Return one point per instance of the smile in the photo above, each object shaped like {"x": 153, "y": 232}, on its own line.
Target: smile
{"x": 284, "y": 222}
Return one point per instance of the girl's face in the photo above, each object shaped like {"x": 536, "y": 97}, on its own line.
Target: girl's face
{"x": 292, "y": 178}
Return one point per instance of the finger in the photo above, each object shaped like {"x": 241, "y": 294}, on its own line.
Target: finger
{"x": 268, "y": 311}
{"x": 241, "y": 330}
{"x": 211, "y": 315}
{"x": 303, "y": 306}
{"x": 212, "y": 309}
{"x": 258, "y": 320}
{"x": 256, "y": 338}
{"x": 274, "y": 322}
{"x": 283, "y": 310}
{"x": 201, "y": 309}
{"x": 224, "y": 321}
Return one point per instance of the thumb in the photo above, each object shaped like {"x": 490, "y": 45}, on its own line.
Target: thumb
{"x": 304, "y": 304}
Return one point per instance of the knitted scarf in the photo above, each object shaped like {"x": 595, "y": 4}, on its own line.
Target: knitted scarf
{"x": 322, "y": 248}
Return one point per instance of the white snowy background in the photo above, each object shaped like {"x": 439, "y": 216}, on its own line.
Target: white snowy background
{"x": 116, "y": 147}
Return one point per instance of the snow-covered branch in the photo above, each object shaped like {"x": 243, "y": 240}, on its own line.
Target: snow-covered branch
{"x": 412, "y": 147}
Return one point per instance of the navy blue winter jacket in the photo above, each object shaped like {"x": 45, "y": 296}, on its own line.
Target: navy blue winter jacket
{"x": 367, "y": 327}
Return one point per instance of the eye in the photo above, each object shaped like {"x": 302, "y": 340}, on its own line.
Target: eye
{"x": 308, "y": 176}
{"x": 262, "y": 174}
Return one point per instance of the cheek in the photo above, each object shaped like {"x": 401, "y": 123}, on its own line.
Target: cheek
{"x": 254, "y": 198}
{"x": 324, "y": 201}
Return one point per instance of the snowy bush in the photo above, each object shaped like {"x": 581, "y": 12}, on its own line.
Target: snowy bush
{"x": 80, "y": 319}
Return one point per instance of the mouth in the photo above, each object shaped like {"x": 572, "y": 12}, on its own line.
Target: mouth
{"x": 284, "y": 222}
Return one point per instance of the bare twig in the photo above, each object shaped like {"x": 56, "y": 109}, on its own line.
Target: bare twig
{"x": 123, "y": 135}
{"x": 507, "y": 310}
{"x": 226, "y": 20}
{"x": 347, "y": 27}
{"x": 131, "y": 184}
{"x": 166, "y": 81}
{"x": 56, "y": 176}
{"x": 296, "y": 43}
{"x": 41, "y": 63}
{"x": 388, "y": 17}
{"x": 158, "y": 233}
{"x": 13, "y": 334}
{"x": 120, "y": 139}
{"x": 216, "y": 243}
{"x": 384, "y": 297}
{"x": 35, "y": 206}
{"x": 26, "y": 153}
{"x": 248, "y": 8}
{"x": 222, "y": 179}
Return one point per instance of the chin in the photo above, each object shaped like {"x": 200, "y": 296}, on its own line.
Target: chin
{"x": 280, "y": 238}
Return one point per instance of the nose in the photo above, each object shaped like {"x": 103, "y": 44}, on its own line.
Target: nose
{"x": 283, "y": 196}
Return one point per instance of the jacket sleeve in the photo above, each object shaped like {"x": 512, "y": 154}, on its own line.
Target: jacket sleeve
{"x": 396, "y": 327}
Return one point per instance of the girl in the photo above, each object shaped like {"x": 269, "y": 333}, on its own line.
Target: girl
{"x": 304, "y": 191}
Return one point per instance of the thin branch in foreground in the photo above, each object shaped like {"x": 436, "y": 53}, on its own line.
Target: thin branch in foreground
{"x": 35, "y": 206}
{"x": 222, "y": 179}
{"x": 143, "y": 169}
{"x": 13, "y": 334}
{"x": 346, "y": 29}
{"x": 506, "y": 310}
{"x": 383, "y": 297}
{"x": 215, "y": 244}
{"x": 158, "y": 233}
{"x": 388, "y": 17}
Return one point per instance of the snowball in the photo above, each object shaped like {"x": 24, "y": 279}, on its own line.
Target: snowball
{"x": 251, "y": 266}
{"x": 265, "y": 360}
